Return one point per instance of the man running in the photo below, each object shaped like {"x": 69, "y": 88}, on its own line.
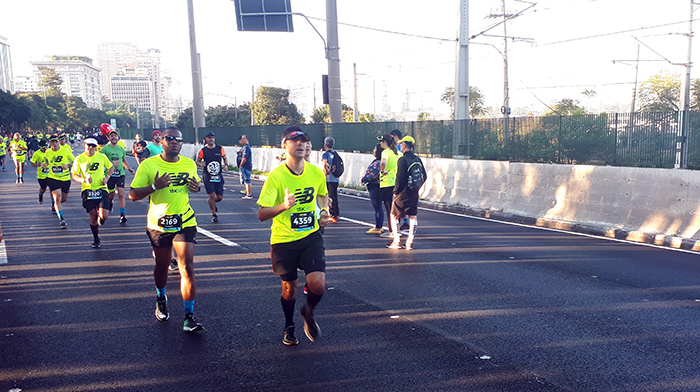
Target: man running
{"x": 209, "y": 159}
{"x": 42, "y": 174}
{"x": 167, "y": 179}
{"x": 59, "y": 161}
{"x": 289, "y": 197}
{"x": 139, "y": 149}
{"x": 245, "y": 165}
{"x": 155, "y": 147}
{"x": 3, "y": 152}
{"x": 93, "y": 170}
{"x": 117, "y": 155}
{"x": 18, "y": 148}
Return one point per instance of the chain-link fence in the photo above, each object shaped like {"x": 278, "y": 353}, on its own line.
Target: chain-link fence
{"x": 618, "y": 139}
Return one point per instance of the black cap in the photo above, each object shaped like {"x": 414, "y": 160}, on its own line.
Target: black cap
{"x": 396, "y": 133}
{"x": 294, "y": 132}
{"x": 210, "y": 134}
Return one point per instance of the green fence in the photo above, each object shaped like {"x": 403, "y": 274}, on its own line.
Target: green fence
{"x": 618, "y": 139}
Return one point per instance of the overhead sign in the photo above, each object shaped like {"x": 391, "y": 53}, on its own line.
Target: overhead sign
{"x": 264, "y": 15}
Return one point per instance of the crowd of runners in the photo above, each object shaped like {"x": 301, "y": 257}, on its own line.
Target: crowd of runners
{"x": 298, "y": 198}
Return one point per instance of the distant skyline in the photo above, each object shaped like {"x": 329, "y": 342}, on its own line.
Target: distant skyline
{"x": 569, "y": 49}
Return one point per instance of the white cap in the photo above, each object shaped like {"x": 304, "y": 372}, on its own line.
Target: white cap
{"x": 90, "y": 141}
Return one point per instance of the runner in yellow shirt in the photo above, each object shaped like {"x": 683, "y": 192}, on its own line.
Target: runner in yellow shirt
{"x": 58, "y": 162}
{"x": 18, "y": 148}
{"x": 290, "y": 197}
{"x": 167, "y": 179}
{"x": 42, "y": 174}
{"x": 92, "y": 170}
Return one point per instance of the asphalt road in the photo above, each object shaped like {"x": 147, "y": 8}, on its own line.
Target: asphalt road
{"x": 477, "y": 306}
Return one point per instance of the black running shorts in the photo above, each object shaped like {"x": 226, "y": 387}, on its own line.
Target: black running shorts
{"x": 115, "y": 182}
{"x": 165, "y": 240}
{"x": 307, "y": 254}
{"x": 93, "y": 204}
{"x": 54, "y": 184}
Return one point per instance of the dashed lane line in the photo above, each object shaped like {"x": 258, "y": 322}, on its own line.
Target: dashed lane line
{"x": 3, "y": 253}
{"x": 216, "y": 237}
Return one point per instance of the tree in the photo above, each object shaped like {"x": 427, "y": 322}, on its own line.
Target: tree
{"x": 50, "y": 81}
{"x": 660, "y": 93}
{"x": 228, "y": 116}
{"x": 423, "y": 116}
{"x": 589, "y": 94}
{"x": 321, "y": 115}
{"x": 476, "y": 101}
{"x": 13, "y": 112}
{"x": 367, "y": 118}
{"x": 566, "y": 107}
{"x": 272, "y": 107}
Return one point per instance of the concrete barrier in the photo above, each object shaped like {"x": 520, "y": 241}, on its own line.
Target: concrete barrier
{"x": 659, "y": 206}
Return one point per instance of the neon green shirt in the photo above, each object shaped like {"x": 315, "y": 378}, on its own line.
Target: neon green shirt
{"x": 95, "y": 167}
{"x": 2, "y": 148}
{"x": 388, "y": 180}
{"x": 300, "y": 220}
{"x": 18, "y": 148}
{"x": 115, "y": 154}
{"x": 169, "y": 209}
{"x": 67, "y": 147}
{"x": 56, "y": 161}
{"x": 38, "y": 158}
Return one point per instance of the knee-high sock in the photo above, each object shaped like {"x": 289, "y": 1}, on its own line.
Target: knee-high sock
{"x": 288, "y": 309}
{"x": 412, "y": 227}
{"x": 395, "y": 228}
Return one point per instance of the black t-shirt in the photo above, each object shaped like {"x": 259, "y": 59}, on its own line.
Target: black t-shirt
{"x": 141, "y": 150}
{"x": 212, "y": 162}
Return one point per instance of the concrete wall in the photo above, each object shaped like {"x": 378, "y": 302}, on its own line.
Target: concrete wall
{"x": 660, "y": 206}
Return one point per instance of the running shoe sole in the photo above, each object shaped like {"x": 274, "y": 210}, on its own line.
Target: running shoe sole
{"x": 311, "y": 328}
{"x": 162, "y": 314}
{"x": 288, "y": 339}
{"x": 191, "y": 325}
{"x": 393, "y": 246}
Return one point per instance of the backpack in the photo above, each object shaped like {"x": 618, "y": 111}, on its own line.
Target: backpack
{"x": 415, "y": 176}
{"x": 337, "y": 166}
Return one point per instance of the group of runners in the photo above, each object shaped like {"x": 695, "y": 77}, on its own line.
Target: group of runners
{"x": 294, "y": 198}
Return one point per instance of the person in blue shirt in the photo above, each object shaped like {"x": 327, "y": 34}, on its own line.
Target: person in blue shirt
{"x": 331, "y": 180}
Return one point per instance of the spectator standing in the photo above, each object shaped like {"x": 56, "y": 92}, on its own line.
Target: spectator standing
{"x": 397, "y": 135}
{"x": 245, "y": 165}
{"x": 409, "y": 167}
{"x": 371, "y": 179}
{"x": 331, "y": 180}
{"x": 387, "y": 176}
{"x": 209, "y": 159}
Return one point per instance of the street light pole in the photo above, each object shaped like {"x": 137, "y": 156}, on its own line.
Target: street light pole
{"x": 682, "y": 142}
{"x": 197, "y": 95}
{"x": 334, "y": 99}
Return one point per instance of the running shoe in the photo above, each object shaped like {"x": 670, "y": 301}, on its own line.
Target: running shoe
{"x": 162, "y": 308}
{"x": 333, "y": 219}
{"x": 41, "y": 198}
{"x": 311, "y": 329}
{"x": 190, "y": 324}
{"x": 242, "y": 192}
{"x": 306, "y": 289}
{"x": 63, "y": 224}
{"x": 21, "y": 180}
{"x": 214, "y": 218}
{"x": 288, "y": 338}
{"x": 17, "y": 181}
{"x": 96, "y": 244}
{"x": 409, "y": 246}
{"x": 374, "y": 230}
{"x": 122, "y": 219}
{"x": 173, "y": 265}
{"x": 247, "y": 197}
{"x": 393, "y": 245}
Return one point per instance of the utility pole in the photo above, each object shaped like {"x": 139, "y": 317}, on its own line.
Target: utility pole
{"x": 461, "y": 99}
{"x": 636, "y": 76}
{"x": 334, "y": 98}
{"x": 197, "y": 94}
{"x": 506, "y": 91}
{"x": 682, "y": 142}
{"x": 252, "y": 100}
{"x": 355, "y": 115}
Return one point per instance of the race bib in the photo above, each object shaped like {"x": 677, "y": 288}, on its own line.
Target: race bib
{"x": 170, "y": 223}
{"x": 94, "y": 194}
{"x": 57, "y": 169}
{"x": 215, "y": 179}
{"x": 302, "y": 221}
{"x": 117, "y": 173}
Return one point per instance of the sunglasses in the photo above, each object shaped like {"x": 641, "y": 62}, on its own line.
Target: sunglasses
{"x": 92, "y": 145}
{"x": 171, "y": 138}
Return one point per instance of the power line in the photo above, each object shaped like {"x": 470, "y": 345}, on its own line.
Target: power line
{"x": 389, "y": 31}
{"x": 617, "y": 32}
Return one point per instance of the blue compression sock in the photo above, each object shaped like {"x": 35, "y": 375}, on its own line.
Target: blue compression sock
{"x": 160, "y": 292}
{"x": 60, "y": 214}
{"x": 122, "y": 211}
{"x": 189, "y": 306}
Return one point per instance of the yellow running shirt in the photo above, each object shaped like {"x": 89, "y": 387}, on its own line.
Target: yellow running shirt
{"x": 169, "y": 209}
{"x": 56, "y": 161}
{"x": 300, "y": 220}
{"x": 388, "y": 180}
{"x": 95, "y": 167}
{"x": 38, "y": 158}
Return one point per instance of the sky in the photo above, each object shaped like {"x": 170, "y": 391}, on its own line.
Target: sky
{"x": 404, "y": 50}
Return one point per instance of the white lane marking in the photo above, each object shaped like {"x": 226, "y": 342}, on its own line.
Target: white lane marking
{"x": 357, "y": 221}
{"x": 3, "y": 253}
{"x": 543, "y": 228}
{"x": 218, "y": 238}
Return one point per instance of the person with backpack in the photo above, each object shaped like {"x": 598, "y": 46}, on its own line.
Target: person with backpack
{"x": 333, "y": 167}
{"x": 410, "y": 177}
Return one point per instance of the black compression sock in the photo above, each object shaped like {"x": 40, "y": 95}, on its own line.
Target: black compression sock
{"x": 312, "y": 299}
{"x": 95, "y": 230}
{"x": 288, "y": 309}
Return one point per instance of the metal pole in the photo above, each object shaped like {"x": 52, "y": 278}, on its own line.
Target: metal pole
{"x": 197, "y": 95}
{"x": 252, "y": 101}
{"x": 506, "y": 93}
{"x": 334, "y": 98}
{"x": 461, "y": 99}
{"x": 355, "y": 114}
{"x": 683, "y": 123}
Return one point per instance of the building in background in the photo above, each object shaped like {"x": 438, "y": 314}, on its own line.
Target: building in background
{"x": 125, "y": 72}
{"x": 6, "y": 78}
{"x": 26, "y": 84}
{"x": 80, "y": 77}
